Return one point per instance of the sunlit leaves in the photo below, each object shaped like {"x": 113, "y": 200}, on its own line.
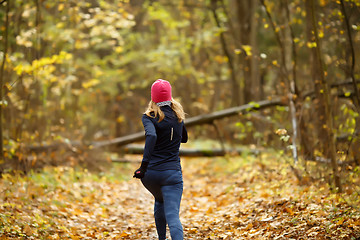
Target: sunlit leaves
{"x": 283, "y": 135}
{"x": 56, "y": 49}
{"x": 26, "y": 38}
{"x": 43, "y": 63}
{"x": 90, "y": 83}
{"x": 246, "y": 48}
{"x": 348, "y": 125}
{"x": 237, "y": 51}
{"x": 157, "y": 12}
{"x": 220, "y": 59}
{"x": 311, "y": 44}
{"x": 3, "y": 103}
{"x": 275, "y": 63}
{"x": 323, "y": 2}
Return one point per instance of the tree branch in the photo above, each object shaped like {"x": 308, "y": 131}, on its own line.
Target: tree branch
{"x": 352, "y": 75}
{"x": 235, "y": 90}
{"x": 334, "y": 85}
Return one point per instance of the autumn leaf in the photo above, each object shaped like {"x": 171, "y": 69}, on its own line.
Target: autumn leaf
{"x": 91, "y": 83}
{"x": 247, "y": 49}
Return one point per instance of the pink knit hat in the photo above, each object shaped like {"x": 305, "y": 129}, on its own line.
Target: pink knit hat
{"x": 160, "y": 91}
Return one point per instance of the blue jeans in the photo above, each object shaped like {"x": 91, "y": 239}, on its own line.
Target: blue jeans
{"x": 166, "y": 187}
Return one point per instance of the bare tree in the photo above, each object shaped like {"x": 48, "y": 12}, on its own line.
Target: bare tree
{"x": 291, "y": 89}
{"x": 354, "y": 141}
{"x": 326, "y": 133}
{"x": 246, "y": 22}
{"x": 2, "y": 102}
{"x": 227, "y": 53}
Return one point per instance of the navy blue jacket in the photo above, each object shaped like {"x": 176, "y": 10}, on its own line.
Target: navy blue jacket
{"x": 163, "y": 140}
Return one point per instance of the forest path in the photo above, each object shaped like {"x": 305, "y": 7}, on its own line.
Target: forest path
{"x": 224, "y": 198}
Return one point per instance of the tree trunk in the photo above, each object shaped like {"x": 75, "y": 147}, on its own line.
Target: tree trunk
{"x": 2, "y": 102}
{"x": 235, "y": 85}
{"x": 326, "y": 134}
{"x": 139, "y": 149}
{"x": 290, "y": 89}
{"x": 351, "y": 72}
{"x": 140, "y": 14}
{"x": 246, "y": 22}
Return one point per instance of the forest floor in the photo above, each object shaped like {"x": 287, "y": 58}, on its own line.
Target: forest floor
{"x": 224, "y": 198}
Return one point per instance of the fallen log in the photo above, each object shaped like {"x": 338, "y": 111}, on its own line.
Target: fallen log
{"x": 139, "y": 149}
{"x": 198, "y": 120}
{"x": 139, "y": 136}
{"x": 209, "y": 118}
{"x": 54, "y": 146}
{"x": 124, "y": 160}
{"x": 121, "y": 140}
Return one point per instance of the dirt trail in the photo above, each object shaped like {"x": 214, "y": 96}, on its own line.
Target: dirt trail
{"x": 223, "y": 199}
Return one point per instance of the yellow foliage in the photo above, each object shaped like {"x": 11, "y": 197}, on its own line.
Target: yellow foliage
{"x": 61, "y": 7}
{"x": 311, "y": 44}
{"x": 119, "y": 49}
{"x": 247, "y": 49}
{"x": 120, "y": 119}
{"x": 91, "y": 83}
{"x": 220, "y": 59}
{"x": 37, "y": 64}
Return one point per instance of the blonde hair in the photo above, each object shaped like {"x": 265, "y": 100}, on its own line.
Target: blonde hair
{"x": 154, "y": 110}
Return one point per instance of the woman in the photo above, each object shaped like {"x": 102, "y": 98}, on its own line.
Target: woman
{"x": 160, "y": 170}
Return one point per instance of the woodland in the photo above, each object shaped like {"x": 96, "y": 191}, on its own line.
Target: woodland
{"x": 271, "y": 91}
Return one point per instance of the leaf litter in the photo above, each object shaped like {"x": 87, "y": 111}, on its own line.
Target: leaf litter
{"x": 224, "y": 198}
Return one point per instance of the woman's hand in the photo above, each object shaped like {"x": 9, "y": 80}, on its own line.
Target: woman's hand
{"x": 140, "y": 172}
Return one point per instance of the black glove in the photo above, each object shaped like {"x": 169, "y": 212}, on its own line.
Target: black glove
{"x": 139, "y": 173}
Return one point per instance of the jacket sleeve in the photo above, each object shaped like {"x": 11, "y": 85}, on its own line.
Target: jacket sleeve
{"x": 150, "y": 140}
{"x": 184, "y": 137}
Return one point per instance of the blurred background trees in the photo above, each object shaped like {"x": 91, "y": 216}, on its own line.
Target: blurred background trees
{"x": 82, "y": 70}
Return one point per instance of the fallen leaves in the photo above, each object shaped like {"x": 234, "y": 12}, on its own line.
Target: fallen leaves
{"x": 257, "y": 203}
{"x": 223, "y": 199}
